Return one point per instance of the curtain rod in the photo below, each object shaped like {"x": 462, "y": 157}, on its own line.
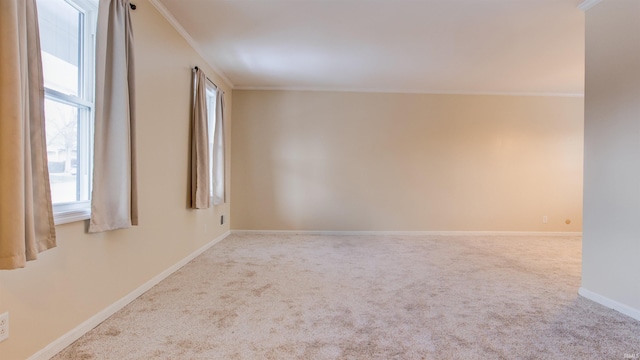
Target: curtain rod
{"x": 133, "y": 6}
{"x": 209, "y": 80}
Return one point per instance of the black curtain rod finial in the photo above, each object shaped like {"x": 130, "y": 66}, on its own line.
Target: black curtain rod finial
{"x": 195, "y": 68}
{"x": 133, "y": 6}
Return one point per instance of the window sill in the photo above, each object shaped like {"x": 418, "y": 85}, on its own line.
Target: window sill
{"x": 66, "y": 217}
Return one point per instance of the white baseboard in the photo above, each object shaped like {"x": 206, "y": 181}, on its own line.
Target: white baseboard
{"x": 611, "y": 304}
{"x": 407, "y": 233}
{"x": 67, "y": 339}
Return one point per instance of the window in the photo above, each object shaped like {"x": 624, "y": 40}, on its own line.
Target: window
{"x": 211, "y": 118}
{"x": 215, "y": 122}
{"x": 67, "y": 40}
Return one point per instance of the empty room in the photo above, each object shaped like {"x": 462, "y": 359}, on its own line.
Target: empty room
{"x": 319, "y": 179}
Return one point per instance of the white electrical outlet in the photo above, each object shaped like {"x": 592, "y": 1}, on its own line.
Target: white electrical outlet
{"x": 545, "y": 219}
{"x": 4, "y": 326}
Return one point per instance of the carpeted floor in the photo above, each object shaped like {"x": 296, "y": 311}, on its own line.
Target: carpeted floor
{"x": 369, "y": 297}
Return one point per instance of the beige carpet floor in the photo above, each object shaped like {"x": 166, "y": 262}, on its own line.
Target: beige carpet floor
{"x": 369, "y": 297}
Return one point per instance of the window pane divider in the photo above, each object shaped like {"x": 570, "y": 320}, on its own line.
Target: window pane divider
{"x": 67, "y": 99}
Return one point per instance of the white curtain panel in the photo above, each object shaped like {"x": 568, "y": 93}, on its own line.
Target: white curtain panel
{"x": 200, "y": 198}
{"x": 219, "y": 196}
{"x": 26, "y": 213}
{"x": 114, "y": 201}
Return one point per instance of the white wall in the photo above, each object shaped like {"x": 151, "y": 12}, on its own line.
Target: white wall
{"x": 406, "y": 162}
{"x": 87, "y": 273}
{"x": 611, "y": 243}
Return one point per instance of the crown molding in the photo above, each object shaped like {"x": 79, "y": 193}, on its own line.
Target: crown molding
{"x": 403, "y": 91}
{"x": 588, "y": 4}
{"x": 176, "y": 25}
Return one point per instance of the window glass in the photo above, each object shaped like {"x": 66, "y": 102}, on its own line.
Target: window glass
{"x": 61, "y": 43}
{"x": 65, "y": 125}
{"x": 211, "y": 118}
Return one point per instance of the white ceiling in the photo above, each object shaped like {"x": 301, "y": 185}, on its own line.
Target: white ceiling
{"x": 432, "y": 46}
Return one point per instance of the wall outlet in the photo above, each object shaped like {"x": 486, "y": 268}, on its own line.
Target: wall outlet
{"x": 4, "y": 326}
{"x": 545, "y": 219}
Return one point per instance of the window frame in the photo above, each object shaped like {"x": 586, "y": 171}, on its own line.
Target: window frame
{"x": 211, "y": 94}
{"x": 84, "y": 102}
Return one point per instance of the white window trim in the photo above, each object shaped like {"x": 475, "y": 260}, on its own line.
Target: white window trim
{"x": 64, "y": 213}
{"x": 71, "y": 212}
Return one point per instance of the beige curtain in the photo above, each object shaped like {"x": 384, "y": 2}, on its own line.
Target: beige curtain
{"x": 199, "y": 143}
{"x": 218, "y": 152}
{"x": 114, "y": 203}
{"x": 26, "y": 215}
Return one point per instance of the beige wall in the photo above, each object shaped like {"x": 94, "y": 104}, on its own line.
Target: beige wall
{"x": 406, "y": 162}
{"x": 611, "y": 244}
{"x": 86, "y": 273}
